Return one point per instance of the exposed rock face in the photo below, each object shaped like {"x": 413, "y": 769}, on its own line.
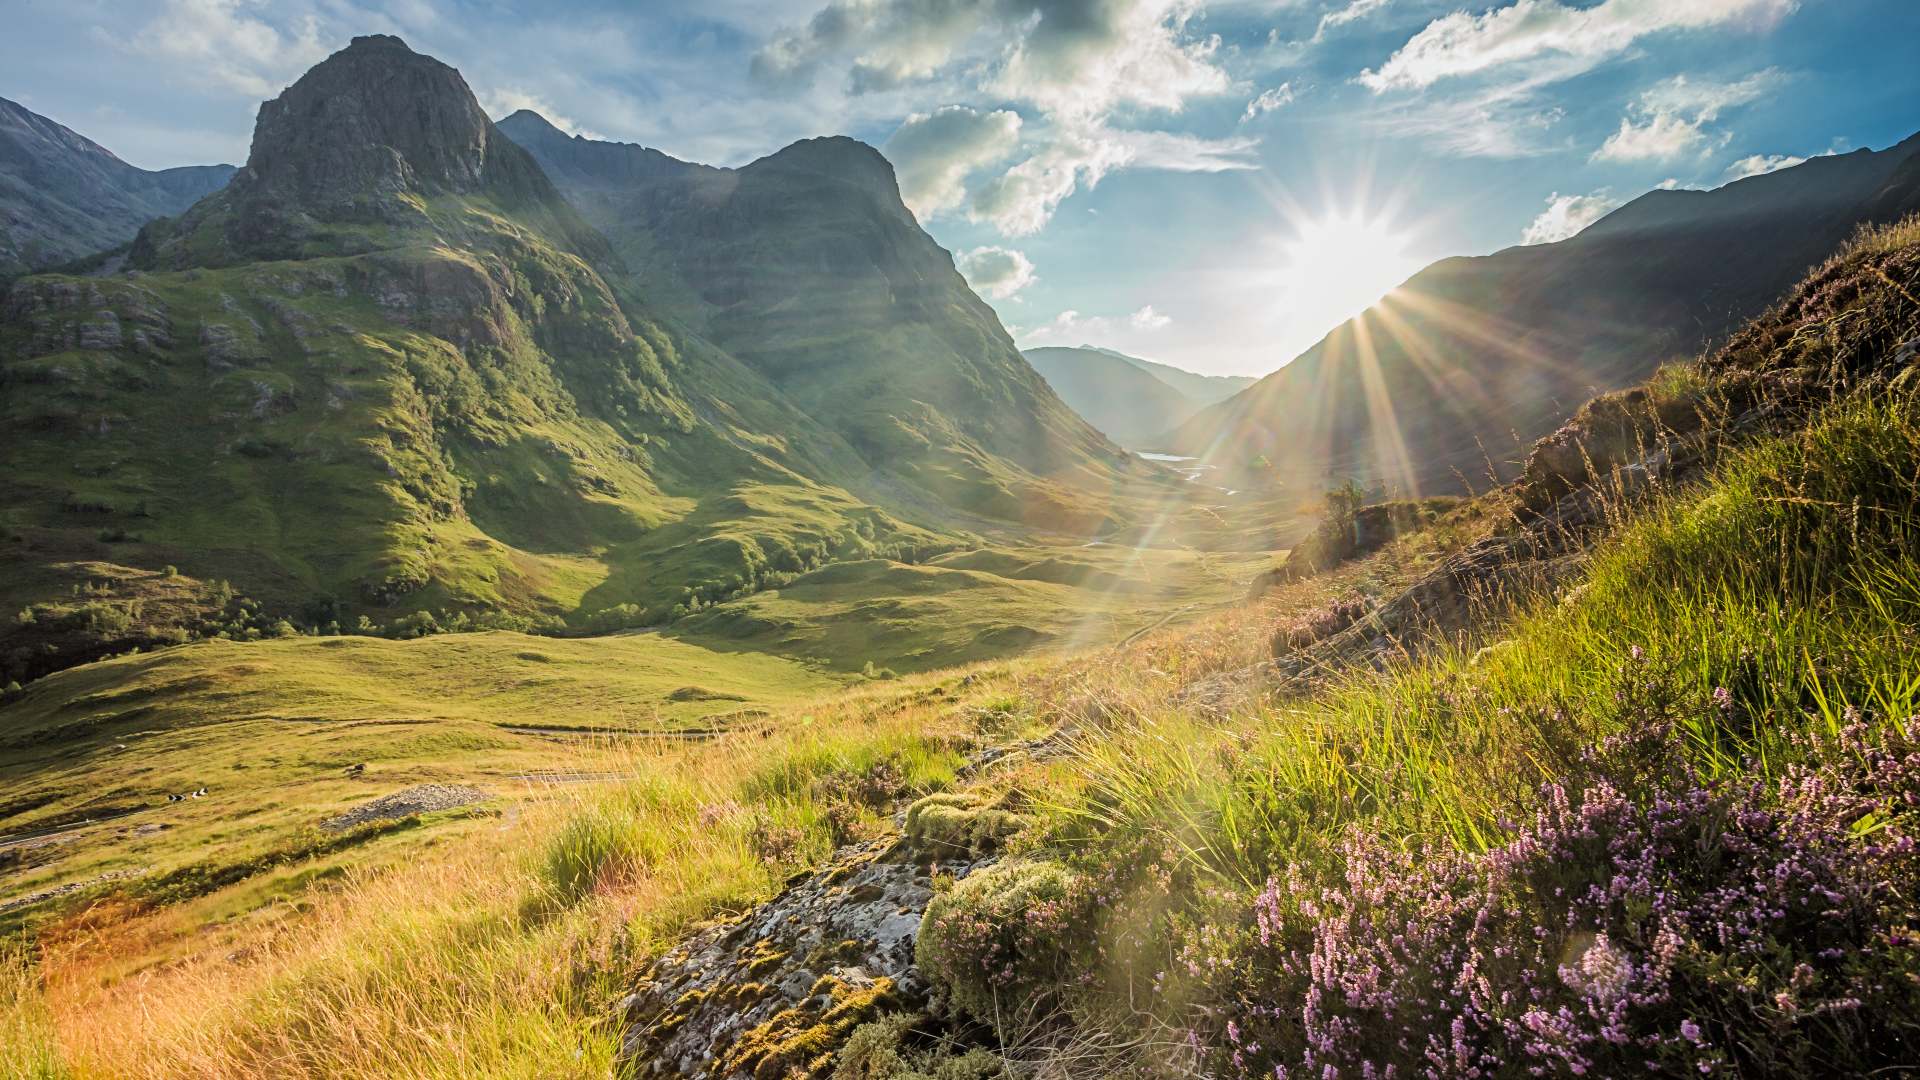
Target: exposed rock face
{"x": 63, "y": 196}
{"x": 767, "y": 994}
{"x": 356, "y": 141}
{"x": 378, "y": 119}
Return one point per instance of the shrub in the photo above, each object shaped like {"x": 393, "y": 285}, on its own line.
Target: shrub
{"x": 1646, "y": 919}
{"x": 589, "y": 847}
{"x": 907, "y": 1046}
{"x": 1000, "y": 941}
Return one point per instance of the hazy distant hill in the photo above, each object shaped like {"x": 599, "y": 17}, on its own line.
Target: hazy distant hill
{"x": 63, "y": 196}
{"x": 1462, "y": 367}
{"x": 1205, "y": 389}
{"x": 807, "y": 266}
{"x": 1132, "y": 400}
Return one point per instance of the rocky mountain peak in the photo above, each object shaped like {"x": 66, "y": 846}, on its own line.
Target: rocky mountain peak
{"x": 377, "y": 119}
{"x": 836, "y": 157}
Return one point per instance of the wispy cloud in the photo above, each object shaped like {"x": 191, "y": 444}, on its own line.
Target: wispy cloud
{"x": 1266, "y": 101}
{"x": 1463, "y": 43}
{"x": 1670, "y": 120}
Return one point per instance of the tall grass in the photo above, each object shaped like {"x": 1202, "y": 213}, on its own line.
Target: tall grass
{"x": 1784, "y": 592}
{"x": 501, "y": 958}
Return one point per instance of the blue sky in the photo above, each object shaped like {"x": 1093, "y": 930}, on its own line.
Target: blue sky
{"x": 1214, "y": 183}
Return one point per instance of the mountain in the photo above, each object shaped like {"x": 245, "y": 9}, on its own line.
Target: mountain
{"x": 63, "y": 196}
{"x": 806, "y": 265}
{"x": 1452, "y": 375}
{"x": 388, "y": 371}
{"x": 1205, "y": 389}
{"x": 1131, "y": 400}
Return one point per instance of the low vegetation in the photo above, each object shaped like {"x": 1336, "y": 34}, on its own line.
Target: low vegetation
{"x": 1650, "y": 809}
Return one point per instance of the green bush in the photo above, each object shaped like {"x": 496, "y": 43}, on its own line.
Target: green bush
{"x": 1001, "y": 942}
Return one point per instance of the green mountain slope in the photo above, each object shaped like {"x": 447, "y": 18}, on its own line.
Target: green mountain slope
{"x": 382, "y": 372}
{"x": 806, "y": 265}
{"x": 1127, "y": 402}
{"x": 63, "y": 196}
{"x": 1457, "y": 371}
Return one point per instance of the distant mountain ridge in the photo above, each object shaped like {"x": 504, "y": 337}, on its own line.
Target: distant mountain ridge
{"x": 1205, "y": 389}
{"x": 1454, "y": 374}
{"x": 64, "y": 196}
{"x": 1133, "y": 401}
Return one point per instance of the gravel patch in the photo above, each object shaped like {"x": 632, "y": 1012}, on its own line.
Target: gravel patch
{"x": 420, "y": 799}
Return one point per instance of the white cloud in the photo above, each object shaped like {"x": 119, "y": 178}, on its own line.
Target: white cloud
{"x": 1463, "y": 43}
{"x": 1353, "y": 12}
{"x": 1278, "y": 97}
{"x": 221, "y": 43}
{"x": 1761, "y": 164}
{"x": 1021, "y": 201}
{"x": 1081, "y": 60}
{"x": 934, "y": 153}
{"x": 1055, "y": 71}
{"x": 1669, "y": 121}
{"x": 1148, "y": 319}
{"x": 1566, "y": 215}
{"x": 996, "y": 271}
{"x": 1705, "y": 101}
{"x": 1660, "y": 137}
{"x": 1072, "y": 328}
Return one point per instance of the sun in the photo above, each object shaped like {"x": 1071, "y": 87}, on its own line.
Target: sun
{"x": 1338, "y": 265}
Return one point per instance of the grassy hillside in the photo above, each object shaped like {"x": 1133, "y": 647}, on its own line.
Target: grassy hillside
{"x": 386, "y": 404}
{"x": 1639, "y": 796}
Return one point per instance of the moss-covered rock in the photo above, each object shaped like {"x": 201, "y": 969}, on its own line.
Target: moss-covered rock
{"x": 949, "y": 825}
{"x": 911, "y": 1046}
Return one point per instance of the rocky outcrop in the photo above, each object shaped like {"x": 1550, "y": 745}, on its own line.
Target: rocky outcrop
{"x": 63, "y": 315}
{"x": 359, "y": 142}
{"x": 775, "y": 991}
{"x": 374, "y": 121}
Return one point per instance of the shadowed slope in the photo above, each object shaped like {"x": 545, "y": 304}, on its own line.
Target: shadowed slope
{"x": 807, "y": 266}
{"x": 1455, "y": 372}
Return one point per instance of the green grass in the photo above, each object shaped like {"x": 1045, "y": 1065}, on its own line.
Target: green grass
{"x": 270, "y": 727}
{"x": 974, "y": 605}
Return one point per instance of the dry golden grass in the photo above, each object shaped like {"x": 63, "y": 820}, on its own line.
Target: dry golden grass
{"x": 497, "y": 956}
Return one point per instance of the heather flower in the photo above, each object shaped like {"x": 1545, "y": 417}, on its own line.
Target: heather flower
{"x": 1642, "y": 910}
